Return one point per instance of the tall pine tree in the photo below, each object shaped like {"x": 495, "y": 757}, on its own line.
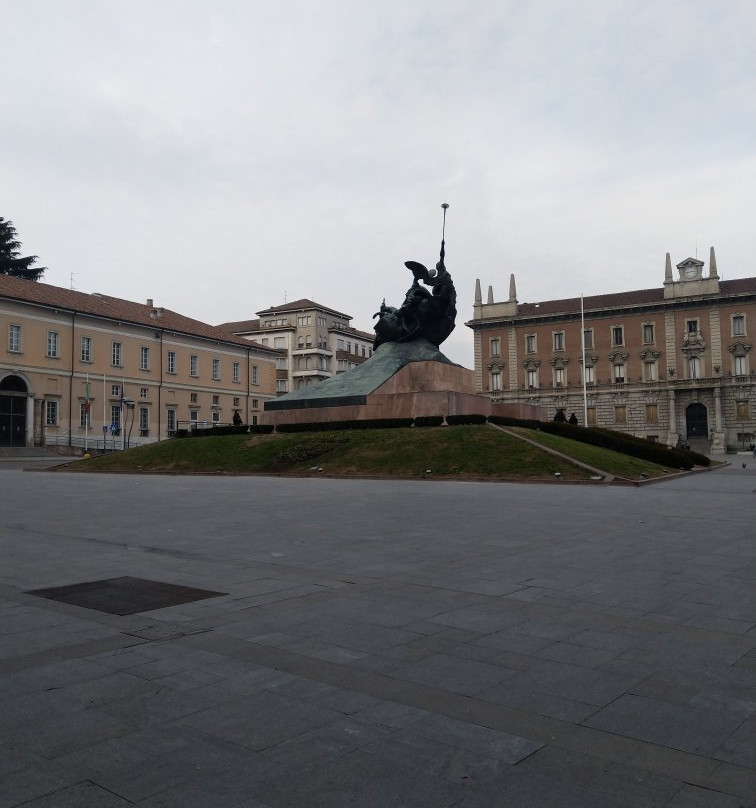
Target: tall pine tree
{"x": 11, "y": 262}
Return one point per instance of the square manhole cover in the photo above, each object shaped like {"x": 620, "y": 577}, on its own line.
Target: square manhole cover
{"x": 125, "y": 595}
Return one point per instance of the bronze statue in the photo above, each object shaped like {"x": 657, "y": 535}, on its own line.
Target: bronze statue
{"x": 424, "y": 314}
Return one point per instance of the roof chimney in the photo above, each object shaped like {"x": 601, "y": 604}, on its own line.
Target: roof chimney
{"x": 149, "y": 302}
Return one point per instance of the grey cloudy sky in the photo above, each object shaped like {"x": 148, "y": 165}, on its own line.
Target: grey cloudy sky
{"x": 222, "y": 157}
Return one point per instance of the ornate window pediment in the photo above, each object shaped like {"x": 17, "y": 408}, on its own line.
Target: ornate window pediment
{"x": 693, "y": 342}
{"x": 615, "y": 357}
{"x": 590, "y": 359}
{"x": 739, "y": 348}
{"x": 650, "y": 355}
{"x": 531, "y": 364}
{"x": 559, "y": 362}
{"x": 495, "y": 367}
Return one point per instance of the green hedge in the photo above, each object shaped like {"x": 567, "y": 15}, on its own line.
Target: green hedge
{"x": 260, "y": 429}
{"x": 329, "y": 426}
{"x": 429, "y": 420}
{"x": 457, "y": 420}
{"x": 609, "y": 439}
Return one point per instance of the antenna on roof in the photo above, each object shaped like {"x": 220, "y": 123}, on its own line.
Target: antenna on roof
{"x": 72, "y": 277}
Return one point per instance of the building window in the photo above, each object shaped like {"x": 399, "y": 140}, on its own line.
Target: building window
{"x": 495, "y": 381}
{"x": 618, "y": 335}
{"x": 620, "y": 414}
{"x": 170, "y": 421}
{"x": 86, "y": 349}
{"x": 306, "y": 320}
{"x": 236, "y": 401}
{"x": 216, "y": 370}
{"x": 14, "y": 338}
{"x": 215, "y": 417}
{"x": 235, "y": 377}
{"x": 339, "y": 344}
{"x": 144, "y": 422}
{"x": 648, "y": 333}
{"x": 738, "y": 325}
{"x": 116, "y": 354}
{"x": 652, "y": 413}
{"x": 85, "y": 417}
{"x": 279, "y": 342}
{"x": 559, "y": 340}
{"x": 52, "y": 344}
{"x": 618, "y": 372}
{"x": 143, "y": 392}
{"x": 559, "y": 377}
{"x": 530, "y": 343}
{"x": 495, "y": 347}
{"x": 51, "y": 413}
{"x": 115, "y": 389}
{"x": 742, "y": 410}
{"x": 588, "y": 338}
{"x": 650, "y": 371}
{"x": 193, "y": 416}
{"x": 194, "y": 366}
{"x": 694, "y": 367}
{"x": 171, "y": 363}
{"x": 216, "y": 401}
{"x": 691, "y": 326}
{"x": 532, "y": 378}
{"x": 322, "y": 321}
{"x": 255, "y": 375}
{"x": 282, "y": 385}
{"x": 255, "y": 403}
{"x": 254, "y": 420}
{"x": 115, "y": 418}
{"x": 281, "y": 363}
{"x": 591, "y": 416}
{"x": 144, "y": 358}
{"x": 193, "y": 398}
{"x": 590, "y": 378}
{"x": 739, "y": 366}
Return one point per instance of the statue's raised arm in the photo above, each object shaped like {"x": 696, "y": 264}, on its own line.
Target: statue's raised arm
{"x": 426, "y": 313}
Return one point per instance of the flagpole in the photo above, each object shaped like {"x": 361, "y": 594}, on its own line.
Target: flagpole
{"x": 86, "y": 416}
{"x": 104, "y": 415}
{"x": 582, "y": 338}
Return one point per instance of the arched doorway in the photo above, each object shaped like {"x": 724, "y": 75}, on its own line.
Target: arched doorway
{"x": 696, "y": 421}
{"x": 13, "y": 401}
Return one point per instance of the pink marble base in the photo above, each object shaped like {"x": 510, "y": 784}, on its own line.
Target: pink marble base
{"x": 417, "y": 389}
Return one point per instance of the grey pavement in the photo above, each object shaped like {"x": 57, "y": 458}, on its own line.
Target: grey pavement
{"x": 379, "y": 643}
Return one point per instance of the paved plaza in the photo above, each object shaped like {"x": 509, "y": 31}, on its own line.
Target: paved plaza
{"x": 379, "y": 644}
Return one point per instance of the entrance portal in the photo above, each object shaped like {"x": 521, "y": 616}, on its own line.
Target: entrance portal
{"x": 13, "y": 400}
{"x": 696, "y": 421}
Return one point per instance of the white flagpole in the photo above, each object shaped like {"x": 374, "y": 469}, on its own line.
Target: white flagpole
{"x": 86, "y": 416}
{"x": 582, "y": 337}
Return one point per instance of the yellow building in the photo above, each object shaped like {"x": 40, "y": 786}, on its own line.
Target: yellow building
{"x": 90, "y": 369}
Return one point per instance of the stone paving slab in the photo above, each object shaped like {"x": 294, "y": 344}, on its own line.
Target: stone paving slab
{"x": 381, "y": 643}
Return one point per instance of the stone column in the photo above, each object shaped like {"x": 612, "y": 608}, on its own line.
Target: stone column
{"x": 672, "y": 435}
{"x": 717, "y": 439}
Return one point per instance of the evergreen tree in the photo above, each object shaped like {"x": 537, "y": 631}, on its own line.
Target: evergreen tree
{"x": 11, "y": 262}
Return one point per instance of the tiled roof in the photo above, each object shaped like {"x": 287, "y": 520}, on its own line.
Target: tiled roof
{"x": 298, "y": 305}
{"x": 619, "y": 300}
{"x": 241, "y": 326}
{"x": 114, "y": 308}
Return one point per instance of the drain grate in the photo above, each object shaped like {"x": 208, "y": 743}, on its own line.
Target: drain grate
{"x": 125, "y": 595}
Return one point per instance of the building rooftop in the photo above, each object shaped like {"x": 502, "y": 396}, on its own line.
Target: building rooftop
{"x": 301, "y": 305}
{"x": 114, "y": 308}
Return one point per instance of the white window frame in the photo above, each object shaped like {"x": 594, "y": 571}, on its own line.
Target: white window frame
{"x": 738, "y": 328}
{"x": 559, "y": 341}
{"x": 236, "y": 372}
{"x": 86, "y": 349}
{"x": 53, "y": 344}
{"x": 51, "y": 412}
{"x": 194, "y": 366}
{"x": 116, "y": 354}
{"x": 15, "y": 337}
{"x": 144, "y": 358}
{"x": 171, "y": 362}
{"x": 254, "y": 375}
{"x": 216, "y": 370}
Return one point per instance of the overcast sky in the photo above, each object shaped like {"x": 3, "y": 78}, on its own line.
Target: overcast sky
{"x": 223, "y": 157}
